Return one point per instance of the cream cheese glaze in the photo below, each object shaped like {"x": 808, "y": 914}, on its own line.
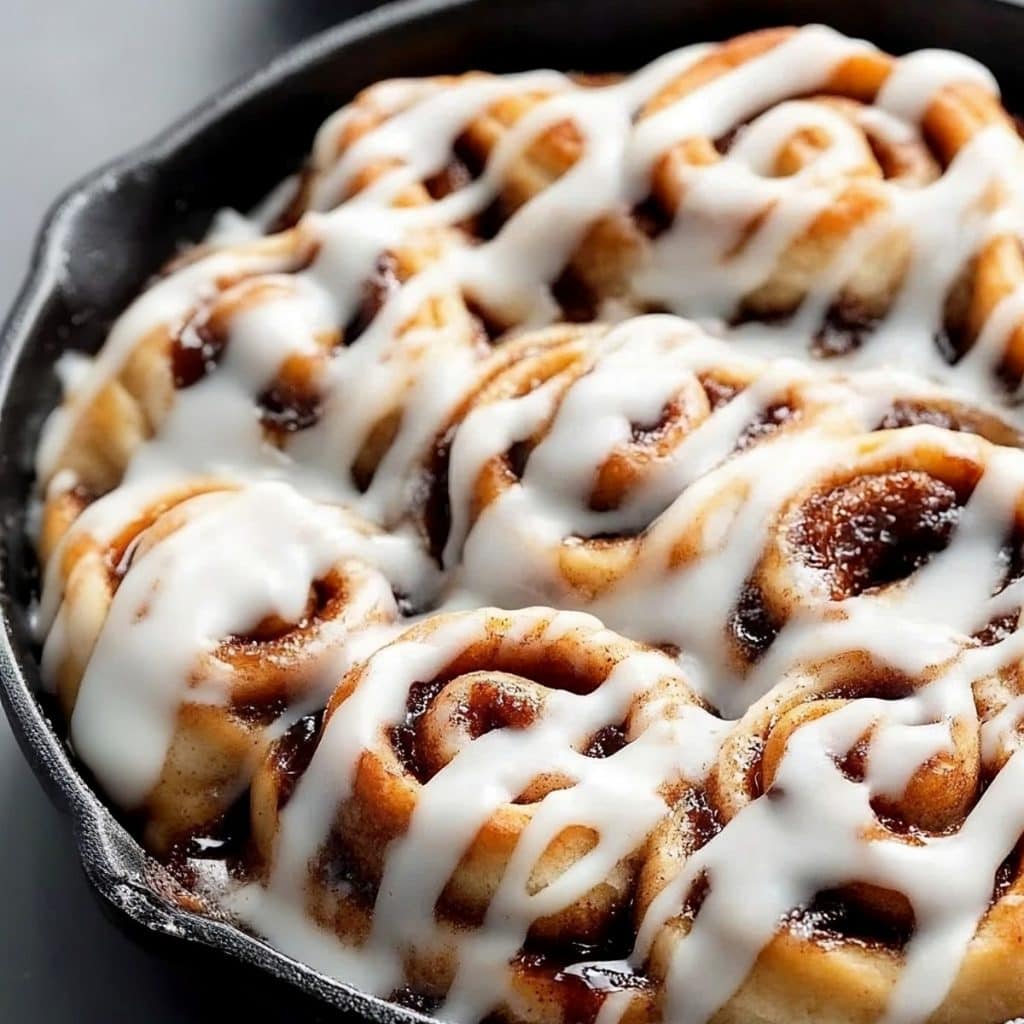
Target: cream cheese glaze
{"x": 801, "y": 525}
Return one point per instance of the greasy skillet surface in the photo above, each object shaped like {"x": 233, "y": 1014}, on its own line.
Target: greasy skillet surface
{"x": 115, "y": 229}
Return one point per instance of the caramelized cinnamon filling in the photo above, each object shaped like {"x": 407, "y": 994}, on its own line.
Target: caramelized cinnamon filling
{"x": 579, "y": 302}
{"x": 452, "y": 177}
{"x": 287, "y": 409}
{"x": 492, "y": 707}
{"x": 836, "y": 914}
{"x": 695, "y": 896}
{"x": 404, "y": 737}
{"x": 959, "y": 418}
{"x": 875, "y": 530}
{"x": 998, "y": 629}
{"x": 652, "y": 217}
{"x": 380, "y": 286}
{"x": 195, "y": 351}
{"x": 517, "y": 457}
{"x": 293, "y": 752}
{"x": 1008, "y": 872}
{"x": 121, "y": 550}
{"x": 853, "y": 764}
{"x": 325, "y": 596}
{"x": 1011, "y": 558}
{"x": 768, "y": 421}
{"x": 1008, "y": 375}
{"x": 437, "y": 509}
{"x": 623, "y": 468}
{"x": 724, "y": 143}
{"x": 650, "y": 434}
{"x": 719, "y": 390}
{"x": 844, "y": 330}
{"x": 879, "y": 682}
{"x": 486, "y": 225}
{"x": 752, "y": 627}
{"x": 607, "y": 741}
{"x": 469, "y": 155}
{"x": 703, "y": 820}
{"x": 373, "y": 449}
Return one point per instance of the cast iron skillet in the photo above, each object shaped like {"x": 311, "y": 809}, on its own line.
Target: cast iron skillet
{"x": 110, "y": 232}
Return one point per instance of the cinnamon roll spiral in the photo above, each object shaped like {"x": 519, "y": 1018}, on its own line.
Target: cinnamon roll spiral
{"x": 889, "y": 823}
{"x": 861, "y": 528}
{"x": 172, "y": 695}
{"x": 577, "y": 439}
{"x": 460, "y": 773}
{"x": 243, "y": 333}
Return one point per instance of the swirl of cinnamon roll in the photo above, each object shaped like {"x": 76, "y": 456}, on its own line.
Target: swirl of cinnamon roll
{"x": 819, "y": 532}
{"x": 257, "y": 341}
{"x": 833, "y": 190}
{"x": 452, "y": 817}
{"x": 186, "y": 629}
{"x": 110, "y": 415}
{"x": 910, "y": 402}
{"x": 863, "y": 527}
{"x": 889, "y": 833}
{"x": 789, "y": 174}
{"x": 577, "y": 438}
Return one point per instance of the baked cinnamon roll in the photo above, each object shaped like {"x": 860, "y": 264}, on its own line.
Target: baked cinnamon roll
{"x": 864, "y": 528}
{"x": 576, "y": 439}
{"x": 847, "y": 919}
{"x": 188, "y": 629}
{"x": 245, "y": 343}
{"x": 452, "y": 820}
{"x": 785, "y": 546}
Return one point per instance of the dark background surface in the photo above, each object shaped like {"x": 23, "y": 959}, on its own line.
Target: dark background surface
{"x": 82, "y": 82}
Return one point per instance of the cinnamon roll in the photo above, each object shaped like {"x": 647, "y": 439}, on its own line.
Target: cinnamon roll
{"x": 908, "y": 799}
{"x": 822, "y": 532}
{"x": 190, "y": 628}
{"x": 455, "y": 807}
{"x": 864, "y": 528}
{"x": 578, "y": 438}
{"x": 247, "y": 341}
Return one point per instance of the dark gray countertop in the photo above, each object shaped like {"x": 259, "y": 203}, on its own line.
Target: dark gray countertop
{"x": 81, "y": 81}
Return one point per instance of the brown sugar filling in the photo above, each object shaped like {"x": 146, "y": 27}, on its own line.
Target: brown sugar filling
{"x": 875, "y": 530}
